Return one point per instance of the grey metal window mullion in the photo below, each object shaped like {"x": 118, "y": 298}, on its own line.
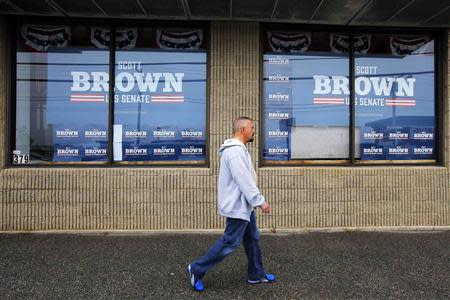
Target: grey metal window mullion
{"x": 352, "y": 99}
{"x": 112, "y": 64}
{"x": 440, "y": 69}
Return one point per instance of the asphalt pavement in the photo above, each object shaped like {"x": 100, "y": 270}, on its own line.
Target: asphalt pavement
{"x": 318, "y": 265}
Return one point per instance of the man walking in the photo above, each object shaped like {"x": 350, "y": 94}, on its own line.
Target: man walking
{"x": 238, "y": 197}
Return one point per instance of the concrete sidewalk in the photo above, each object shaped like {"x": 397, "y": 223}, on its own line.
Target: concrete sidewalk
{"x": 339, "y": 265}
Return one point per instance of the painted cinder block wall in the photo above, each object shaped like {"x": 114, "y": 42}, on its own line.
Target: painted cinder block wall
{"x": 34, "y": 199}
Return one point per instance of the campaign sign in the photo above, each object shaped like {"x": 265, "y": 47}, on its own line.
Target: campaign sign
{"x": 67, "y": 153}
{"x": 63, "y": 134}
{"x": 275, "y": 140}
{"x": 192, "y": 150}
{"x": 164, "y": 134}
{"x": 423, "y": 142}
{"x": 277, "y": 106}
{"x": 372, "y": 152}
{"x": 192, "y": 144}
{"x": 422, "y": 135}
{"x": 398, "y": 135}
{"x": 398, "y": 152}
{"x": 80, "y": 144}
{"x": 278, "y": 64}
{"x": 160, "y": 100}
{"x": 192, "y": 134}
{"x": 95, "y": 152}
{"x": 66, "y": 144}
{"x": 277, "y": 79}
{"x": 391, "y": 91}
{"x": 137, "y": 135}
{"x": 94, "y": 134}
{"x": 372, "y": 142}
{"x": 163, "y": 151}
{"x": 277, "y": 117}
{"x": 397, "y": 93}
{"x": 94, "y": 144}
{"x": 277, "y": 134}
{"x": 277, "y": 97}
{"x": 278, "y": 131}
{"x": 371, "y": 135}
{"x": 132, "y": 151}
{"x": 423, "y": 152}
{"x": 397, "y": 142}
{"x": 156, "y": 93}
{"x": 94, "y": 141}
{"x": 276, "y": 151}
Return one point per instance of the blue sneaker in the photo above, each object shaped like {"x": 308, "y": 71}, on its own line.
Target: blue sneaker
{"x": 196, "y": 283}
{"x": 266, "y": 279}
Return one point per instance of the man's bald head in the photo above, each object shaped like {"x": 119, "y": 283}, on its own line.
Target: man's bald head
{"x": 243, "y": 129}
{"x": 240, "y": 122}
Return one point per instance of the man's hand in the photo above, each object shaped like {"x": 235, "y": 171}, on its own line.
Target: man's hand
{"x": 265, "y": 208}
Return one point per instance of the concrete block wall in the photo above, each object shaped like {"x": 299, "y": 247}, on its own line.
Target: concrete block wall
{"x": 185, "y": 198}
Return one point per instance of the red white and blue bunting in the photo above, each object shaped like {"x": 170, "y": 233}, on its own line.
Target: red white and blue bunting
{"x": 125, "y": 38}
{"x": 179, "y": 38}
{"x": 289, "y": 41}
{"x": 406, "y": 46}
{"x": 340, "y": 43}
{"x": 41, "y": 38}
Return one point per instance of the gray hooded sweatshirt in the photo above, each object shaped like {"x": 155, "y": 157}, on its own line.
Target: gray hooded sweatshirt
{"x": 238, "y": 193}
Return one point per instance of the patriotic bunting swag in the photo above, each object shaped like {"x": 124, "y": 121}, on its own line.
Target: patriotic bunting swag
{"x": 341, "y": 43}
{"x": 125, "y": 38}
{"x": 40, "y": 38}
{"x": 179, "y": 38}
{"x": 289, "y": 42}
{"x": 406, "y": 46}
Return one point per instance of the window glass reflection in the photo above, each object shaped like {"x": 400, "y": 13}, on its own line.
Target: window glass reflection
{"x": 160, "y": 97}
{"x": 395, "y": 100}
{"x": 306, "y": 96}
{"x": 61, "y": 115}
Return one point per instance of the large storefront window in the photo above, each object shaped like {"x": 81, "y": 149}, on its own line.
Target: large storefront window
{"x": 395, "y": 99}
{"x": 301, "y": 119}
{"x": 160, "y": 98}
{"x": 307, "y": 106}
{"x": 58, "y": 119}
{"x": 63, "y": 101}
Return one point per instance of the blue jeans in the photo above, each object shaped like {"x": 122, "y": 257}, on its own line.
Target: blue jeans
{"x": 236, "y": 230}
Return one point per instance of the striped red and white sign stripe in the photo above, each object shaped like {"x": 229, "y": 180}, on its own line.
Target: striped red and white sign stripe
{"x": 167, "y": 98}
{"x": 87, "y": 98}
{"x": 401, "y": 102}
{"x": 328, "y": 101}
